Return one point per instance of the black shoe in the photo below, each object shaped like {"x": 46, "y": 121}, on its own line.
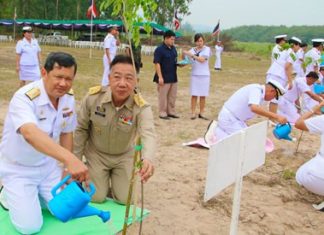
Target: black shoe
{"x": 202, "y": 117}
{"x": 164, "y": 117}
{"x": 2, "y": 204}
{"x": 173, "y": 116}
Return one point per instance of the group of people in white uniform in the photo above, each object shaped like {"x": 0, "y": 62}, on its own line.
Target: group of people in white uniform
{"x": 289, "y": 88}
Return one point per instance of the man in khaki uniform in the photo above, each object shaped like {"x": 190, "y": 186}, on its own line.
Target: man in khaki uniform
{"x": 108, "y": 121}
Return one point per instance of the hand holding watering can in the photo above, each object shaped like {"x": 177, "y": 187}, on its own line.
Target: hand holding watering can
{"x": 282, "y": 131}
{"x": 72, "y": 202}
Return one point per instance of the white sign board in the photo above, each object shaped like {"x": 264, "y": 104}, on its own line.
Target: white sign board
{"x": 224, "y": 158}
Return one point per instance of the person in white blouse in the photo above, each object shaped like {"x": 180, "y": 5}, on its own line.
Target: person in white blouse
{"x": 277, "y": 49}
{"x": 281, "y": 70}
{"x": 298, "y": 65}
{"x": 289, "y": 105}
{"x": 219, "y": 48}
{"x": 110, "y": 50}
{"x": 243, "y": 105}
{"x": 200, "y": 75}
{"x": 28, "y": 57}
{"x": 311, "y": 174}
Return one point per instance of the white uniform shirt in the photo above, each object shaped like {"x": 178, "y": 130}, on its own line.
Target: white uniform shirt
{"x": 110, "y": 43}
{"x": 276, "y": 51}
{"x": 41, "y": 112}
{"x": 312, "y": 59}
{"x": 28, "y": 51}
{"x": 299, "y": 62}
{"x": 277, "y": 68}
{"x": 299, "y": 87}
{"x": 316, "y": 125}
{"x": 199, "y": 68}
{"x": 239, "y": 103}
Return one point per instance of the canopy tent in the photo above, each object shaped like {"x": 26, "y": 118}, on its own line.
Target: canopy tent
{"x": 81, "y": 25}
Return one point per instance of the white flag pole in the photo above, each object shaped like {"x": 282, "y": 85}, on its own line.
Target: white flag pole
{"x": 218, "y": 31}
{"x": 14, "y": 29}
{"x": 90, "y": 52}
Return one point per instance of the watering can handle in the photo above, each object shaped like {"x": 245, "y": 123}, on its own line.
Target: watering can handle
{"x": 56, "y": 187}
{"x": 92, "y": 189}
{"x": 287, "y": 123}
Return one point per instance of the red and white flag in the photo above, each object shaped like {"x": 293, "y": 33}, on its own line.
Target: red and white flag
{"x": 92, "y": 10}
{"x": 176, "y": 21}
{"x": 216, "y": 29}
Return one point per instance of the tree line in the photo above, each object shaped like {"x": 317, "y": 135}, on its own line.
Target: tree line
{"x": 258, "y": 33}
{"x": 76, "y": 10}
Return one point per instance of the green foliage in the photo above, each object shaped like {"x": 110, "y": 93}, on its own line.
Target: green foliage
{"x": 257, "y": 48}
{"x": 288, "y": 174}
{"x": 165, "y": 11}
{"x": 128, "y": 10}
{"x": 258, "y": 33}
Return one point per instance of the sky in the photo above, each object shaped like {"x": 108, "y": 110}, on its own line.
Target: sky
{"x": 234, "y": 13}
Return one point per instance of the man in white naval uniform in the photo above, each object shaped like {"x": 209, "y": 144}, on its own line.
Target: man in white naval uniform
{"x": 281, "y": 70}
{"x": 37, "y": 136}
{"x": 277, "y": 49}
{"x": 243, "y": 105}
{"x": 289, "y": 105}
{"x": 110, "y": 46}
{"x": 312, "y": 62}
{"x": 311, "y": 174}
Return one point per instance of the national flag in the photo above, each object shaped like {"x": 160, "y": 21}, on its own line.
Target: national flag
{"x": 92, "y": 10}
{"x": 176, "y": 21}
{"x": 216, "y": 30}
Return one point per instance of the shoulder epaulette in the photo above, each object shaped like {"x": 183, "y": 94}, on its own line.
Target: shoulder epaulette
{"x": 94, "y": 90}
{"x": 70, "y": 92}
{"x": 33, "y": 93}
{"x": 139, "y": 100}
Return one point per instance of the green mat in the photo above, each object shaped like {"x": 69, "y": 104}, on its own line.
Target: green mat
{"x": 81, "y": 226}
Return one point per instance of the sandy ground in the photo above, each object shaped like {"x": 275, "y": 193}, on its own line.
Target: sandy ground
{"x": 271, "y": 202}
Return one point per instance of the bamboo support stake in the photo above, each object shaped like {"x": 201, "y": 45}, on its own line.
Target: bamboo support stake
{"x": 131, "y": 184}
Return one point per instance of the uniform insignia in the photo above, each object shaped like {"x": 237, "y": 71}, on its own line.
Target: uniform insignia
{"x": 63, "y": 124}
{"x": 100, "y": 111}
{"x": 33, "y": 93}
{"x": 94, "y": 90}
{"x": 70, "y": 92}
{"x": 139, "y": 99}
{"x": 67, "y": 114}
{"x": 126, "y": 120}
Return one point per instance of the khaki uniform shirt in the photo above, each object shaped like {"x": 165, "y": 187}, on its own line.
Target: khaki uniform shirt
{"x": 104, "y": 129}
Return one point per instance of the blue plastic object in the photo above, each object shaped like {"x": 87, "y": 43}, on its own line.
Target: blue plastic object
{"x": 318, "y": 89}
{"x": 72, "y": 202}
{"x": 282, "y": 131}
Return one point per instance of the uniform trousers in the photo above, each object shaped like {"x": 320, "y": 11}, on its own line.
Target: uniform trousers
{"x": 288, "y": 109}
{"x": 308, "y": 103}
{"x": 105, "y": 80}
{"x": 25, "y": 187}
{"x": 110, "y": 172}
{"x": 311, "y": 175}
{"x": 167, "y": 98}
{"x": 227, "y": 124}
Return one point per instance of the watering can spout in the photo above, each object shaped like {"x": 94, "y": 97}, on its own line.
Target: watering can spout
{"x": 89, "y": 211}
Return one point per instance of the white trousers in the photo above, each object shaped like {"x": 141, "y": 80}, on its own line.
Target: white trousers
{"x": 288, "y": 109}
{"x": 311, "y": 175}
{"x": 227, "y": 124}
{"x": 24, "y": 186}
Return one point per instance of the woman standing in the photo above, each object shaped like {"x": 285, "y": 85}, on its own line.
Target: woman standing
{"x": 200, "y": 75}
{"x": 28, "y": 57}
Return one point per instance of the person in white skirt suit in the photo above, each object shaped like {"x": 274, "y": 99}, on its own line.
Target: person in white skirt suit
{"x": 28, "y": 57}
{"x": 311, "y": 174}
{"x": 219, "y": 48}
{"x": 200, "y": 75}
{"x": 110, "y": 50}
